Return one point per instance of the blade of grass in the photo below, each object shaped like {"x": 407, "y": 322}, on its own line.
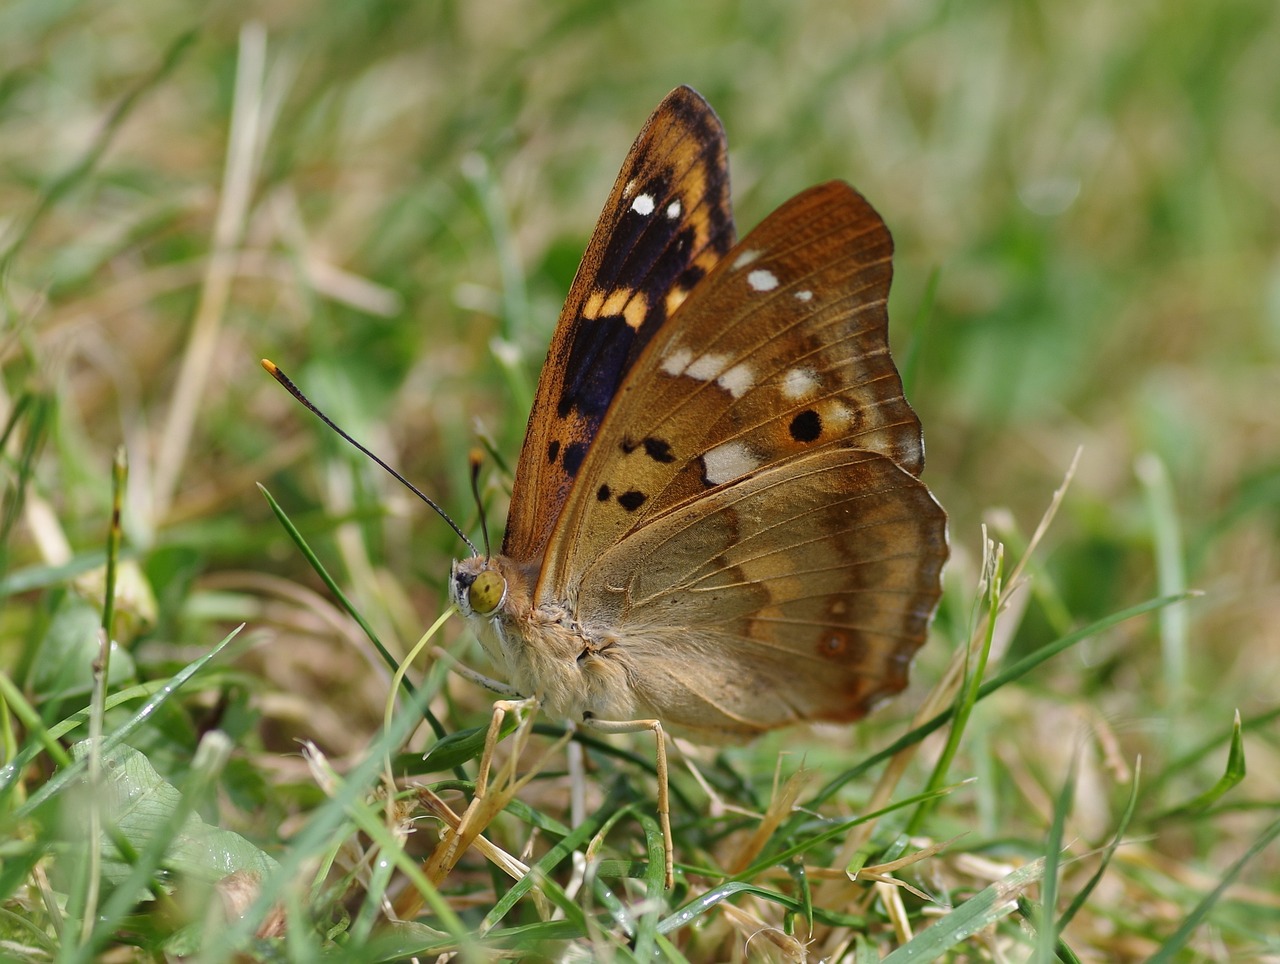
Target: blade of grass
{"x": 1126, "y": 818}
{"x": 967, "y": 696}
{"x": 1045, "y": 916}
{"x": 655, "y": 886}
{"x": 320, "y": 570}
{"x": 59, "y": 780}
{"x": 38, "y": 419}
{"x": 920, "y": 325}
{"x": 1178, "y": 767}
{"x": 978, "y": 912}
{"x": 1172, "y": 949}
{"x": 1231, "y": 776}
{"x": 250, "y": 119}
{"x": 1171, "y": 578}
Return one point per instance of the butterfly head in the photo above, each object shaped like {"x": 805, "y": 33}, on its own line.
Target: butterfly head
{"x": 477, "y": 586}
{"x": 487, "y": 587}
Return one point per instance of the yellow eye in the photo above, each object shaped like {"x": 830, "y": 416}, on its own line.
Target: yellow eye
{"x": 487, "y": 592}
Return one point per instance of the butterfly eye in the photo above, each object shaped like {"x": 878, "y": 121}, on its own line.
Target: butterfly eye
{"x": 487, "y": 592}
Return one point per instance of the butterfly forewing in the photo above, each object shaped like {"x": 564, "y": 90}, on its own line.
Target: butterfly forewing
{"x": 782, "y": 350}
{"x": 666, "y": 224}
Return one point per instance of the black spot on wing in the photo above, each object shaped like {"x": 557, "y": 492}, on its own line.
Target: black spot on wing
{"x": 553, "y": 450}
{"x": 632, "y": 500}
{"x": 603, "y": 493}
{"x": 807, "y": 426}
{"x": 658, "y": 450}
{"x": 574, "y": 453}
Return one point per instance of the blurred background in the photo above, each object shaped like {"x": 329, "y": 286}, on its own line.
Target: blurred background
{"x": 389, "y": 199}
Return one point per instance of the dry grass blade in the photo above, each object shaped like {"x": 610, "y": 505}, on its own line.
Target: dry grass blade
{"x": 250, "y": 121}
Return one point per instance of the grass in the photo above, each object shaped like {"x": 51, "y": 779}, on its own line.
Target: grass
{"x": 389, "y": 200}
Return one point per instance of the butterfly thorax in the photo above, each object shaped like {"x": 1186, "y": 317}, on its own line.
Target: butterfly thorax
{"x": 544, "y": 650}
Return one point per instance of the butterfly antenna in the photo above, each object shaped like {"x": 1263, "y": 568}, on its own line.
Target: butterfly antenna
{"x": 475, "y": 460}
{"x": 296, "y": 392}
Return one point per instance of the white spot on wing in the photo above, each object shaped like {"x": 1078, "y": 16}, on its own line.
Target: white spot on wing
{"x": 677, "y": 361}
{"x": 643, "y": 204}
{"x": 737, "y": 381}
{"x": 630, "y": 188}
{"x": 762, "y": 280}
{"x": 799, "y": 383}
{"x": 805, "y": 295}
{"x": 729, "y": 461}
{"x": 744, "y": 259}
{"x": 706, "y": 367}
{"x": 674, "y": 209}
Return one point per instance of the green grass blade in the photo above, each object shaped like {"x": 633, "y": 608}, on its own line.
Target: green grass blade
{"x": 1232, "y": 775}
{"x": 975, "y": 914}
{"x": 166, "y": 692}
{"x": 1126, "y": 818}
{"x": 1045, "y": 915}
{"x": 1173, "y": 949}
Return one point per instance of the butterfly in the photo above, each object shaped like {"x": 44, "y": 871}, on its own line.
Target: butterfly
{"x": 717, "y": 525}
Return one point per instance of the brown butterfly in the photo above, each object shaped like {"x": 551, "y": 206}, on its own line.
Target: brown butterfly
{"x": 717, "y": 524}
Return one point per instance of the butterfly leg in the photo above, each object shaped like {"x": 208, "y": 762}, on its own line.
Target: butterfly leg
{"x": 484, "y": 682}
{"x": 484, "y": 806}
{"x": 664, "y": 804}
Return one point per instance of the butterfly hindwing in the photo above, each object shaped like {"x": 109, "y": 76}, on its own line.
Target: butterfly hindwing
{"x": 666, "y": 224}
{"x": 799, "y": 592}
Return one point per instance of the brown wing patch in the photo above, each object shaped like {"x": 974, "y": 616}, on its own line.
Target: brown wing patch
{"x": 666, "y": 224}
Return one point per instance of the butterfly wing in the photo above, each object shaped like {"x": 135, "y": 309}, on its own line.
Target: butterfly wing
{"x": 735, "y": 456}
{"x": 667, "y": 222}
{"x": 783, "y": 349}
{"x": 799, "y": 592}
